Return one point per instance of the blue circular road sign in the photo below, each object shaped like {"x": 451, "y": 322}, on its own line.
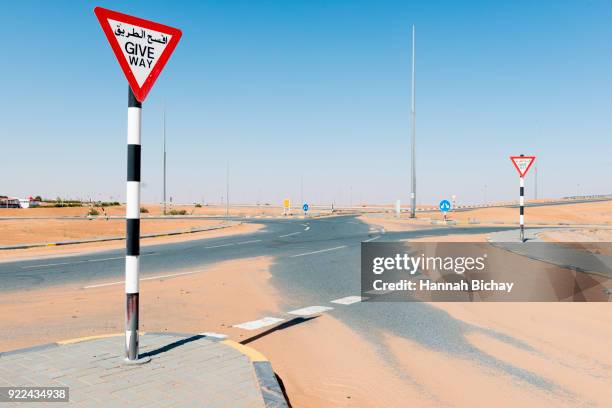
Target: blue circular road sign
{"x": 305, "y": 207}
{"x": 445, "y": 206}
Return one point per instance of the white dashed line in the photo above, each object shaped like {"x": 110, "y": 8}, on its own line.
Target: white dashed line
{"x": 372, "y": 239}
{"x": 249, "y": 242}
{"x": 310, "y": 310}
{"x": 172, "y": 275}
{"x": 219, "y": 246}
{"x": 349, "y": 300}
{"x": 288, "y": 235}
{"x": 318, "y": 252}
{"x": 72, "y": 263}
{"x": 258, "y": 324}
{"x": 306, "y": 229}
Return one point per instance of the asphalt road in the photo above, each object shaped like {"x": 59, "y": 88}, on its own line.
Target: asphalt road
{"x": 315, "y": 261}
{"x": 281, "y": 239}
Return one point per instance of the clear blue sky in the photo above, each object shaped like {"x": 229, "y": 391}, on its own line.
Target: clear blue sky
{"x": 314, "y": 89}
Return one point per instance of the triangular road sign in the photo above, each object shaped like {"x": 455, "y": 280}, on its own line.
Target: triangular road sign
{"x": 142, "y": 47}
{"x": 522, "y": 163}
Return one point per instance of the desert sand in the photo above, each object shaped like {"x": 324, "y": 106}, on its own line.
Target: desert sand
{"x": 323, "y": 362}
{"x": 597, "y": 213}
{"x": 154, "y": 210}
{"x": 14, "y": 232}
{"x": 208, "y": 300}
{"x": 233, "y": 228}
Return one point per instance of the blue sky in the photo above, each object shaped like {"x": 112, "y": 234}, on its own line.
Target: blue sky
{"x": 318, "y": 90}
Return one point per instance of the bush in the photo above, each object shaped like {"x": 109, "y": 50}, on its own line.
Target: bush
{"x": 177, "y": 212}
{"x": 68, "y": 204}
{"x": 108, "y": 204}
{"x": 198, "y": 205}
{"x": 93, "y": 211}
{"x": 144, "y": 210}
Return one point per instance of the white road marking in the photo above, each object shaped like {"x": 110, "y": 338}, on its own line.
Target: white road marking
{"x": 288, "y": 235}
{"x": 214, "y": 335}
{"x": 258, "y": 324}
{"x": 171, "y": 275}
{"x": 248, "y": 242}
{"x": 73, "y": 263}
{"x": 349, "y": 300}
{"x": 306, "y": 229}
{"x": 319, "y": 251}
{"x": 372, "y": 239}
{"x": 310, "y": 310}
{"x": 219, "y": 246}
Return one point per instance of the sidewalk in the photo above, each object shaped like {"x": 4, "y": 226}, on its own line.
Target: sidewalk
{"x": 185, "y": 371}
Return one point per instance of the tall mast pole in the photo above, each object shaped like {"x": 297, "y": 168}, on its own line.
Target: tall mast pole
{"x": 413, "y": 119}
{"x": 164, "y": 158}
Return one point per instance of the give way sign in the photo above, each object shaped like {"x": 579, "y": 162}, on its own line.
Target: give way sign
{"x": 522, "y": 163}
{"x": 142, "y": 47}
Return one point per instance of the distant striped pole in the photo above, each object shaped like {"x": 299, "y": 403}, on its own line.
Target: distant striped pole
{"x": 132, "y": 215}
{"x": 522, "y": 207}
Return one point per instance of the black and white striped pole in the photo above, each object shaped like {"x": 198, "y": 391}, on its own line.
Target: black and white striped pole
{"x": 522, "y": 207}
{"x": 132, "y": 216}
{"x": 142, "y": 54}
{"x": 522, "y": 164}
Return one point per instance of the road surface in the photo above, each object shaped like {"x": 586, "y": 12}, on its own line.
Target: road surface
{"x": 316, "y": 261}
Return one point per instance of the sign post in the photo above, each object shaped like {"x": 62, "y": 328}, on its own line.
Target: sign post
{"x": 305, "y": 207}
{"x": 522, "y": 164}
{"x": 286, "y": 206}
{"x": 445, "y": 207}
{"x": 398, "y": 208}
{"x": 142, "y": 49}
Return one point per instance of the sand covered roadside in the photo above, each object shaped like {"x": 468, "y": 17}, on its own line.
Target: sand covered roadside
{"x": 323, "y": 362}
{"x": 596, "y": 213}
{"x": 233, "y": 228}
{"x": 569, "y": 341}
{"x": 209, "y": 300}
{"x": 154, "y": 210}
{"x": 15, "y": 232}
{"x": 579, "y": 213}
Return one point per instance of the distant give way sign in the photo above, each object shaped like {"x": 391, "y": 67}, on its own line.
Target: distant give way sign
{"x": 142, "y": 47}
{"x": 522, "y": 163}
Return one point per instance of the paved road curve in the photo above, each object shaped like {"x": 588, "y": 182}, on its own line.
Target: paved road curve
{"x": 316, "y": 261}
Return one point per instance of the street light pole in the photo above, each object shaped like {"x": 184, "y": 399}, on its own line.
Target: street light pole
{"x": 413, "y": 117}
{"x": 227, "y": 192}
{"x": 164, "y": 158}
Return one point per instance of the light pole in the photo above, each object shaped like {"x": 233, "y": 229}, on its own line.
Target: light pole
{"x": 413, "y": 117}
{"x": 164, "y": 158}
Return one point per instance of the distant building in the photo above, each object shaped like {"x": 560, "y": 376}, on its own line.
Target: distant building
{"x": 14, "y": 202}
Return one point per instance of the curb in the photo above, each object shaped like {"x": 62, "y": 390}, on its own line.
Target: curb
{"x": 271, "y": 391}
{"x": 88, "y": 241}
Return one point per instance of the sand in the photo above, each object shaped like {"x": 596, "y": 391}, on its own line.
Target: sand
{"x": 570, "y": 342}
{"x": 579, "y": 213}
{"x": 323, "y": 362}
{"x": 211, "y": 300}
{"x": 154, "y": 210}
{"x": 77, "y": 249}
{"x": 14, "y": 232}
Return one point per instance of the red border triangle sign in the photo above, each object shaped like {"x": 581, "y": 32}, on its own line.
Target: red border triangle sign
{"x": 522, "y": 163}
{"x": 142, "y": 47}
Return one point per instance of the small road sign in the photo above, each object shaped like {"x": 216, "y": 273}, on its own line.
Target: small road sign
{"x": 286, "y": 203}
{"x": 305, "y": 207}
{"x": 522, "y": 163}
{"x": 142, "y": 47}
{"x": 445, "y": 206}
